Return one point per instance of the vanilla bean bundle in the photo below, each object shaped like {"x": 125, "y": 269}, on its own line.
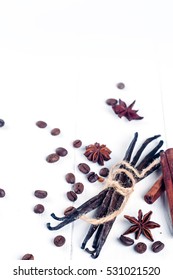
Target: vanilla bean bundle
{"x": 110, "y": 202}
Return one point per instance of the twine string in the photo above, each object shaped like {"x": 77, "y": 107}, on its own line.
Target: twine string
{"x": 131, "y": 173}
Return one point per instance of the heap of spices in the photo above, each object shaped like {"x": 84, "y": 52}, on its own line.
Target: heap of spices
{"x": 110, "y": 202}
{"x": 97, "y": 153}
{"x": 141, "y": 225}
{"x": 41, "y": 124}
{"x": 122, "y": 110}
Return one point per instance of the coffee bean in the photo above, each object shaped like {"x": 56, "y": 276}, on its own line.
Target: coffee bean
{"x": 59, "y": 240}
{"x": 111, "y": 101}
{"x": 52, "y": 158}
{"x": 39, "y": 208}
{"x": 77, "y": 143}
{"x": 84, "y": 168}
{"x": 120, "y": 85}
{"x": 40, "y": 193}
{"x": 92, "y": 177}
{"x": 140, "y": 247}
{"x": 157, "y": 246}
{"x": 41, "y": 124}
{"x": 2, "y": 123}
{"x": 62, "y": 152}
{"x": 126, "y": 240}
{"x": 55, "y": 131}
{"x": 69, "y": 210}
{"x": 78, "y": 188}
{"x": 28, "y": 257}
{"x": 104, "y": 172}
{"x": 70, "y": 178}
{"x": 2, "y": 193}
{"x": 72, "y": 196}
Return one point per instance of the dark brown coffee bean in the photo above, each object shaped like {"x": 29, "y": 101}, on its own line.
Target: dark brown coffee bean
{"x": 55, "y": 131}
{"x": 78, "y": 188}
{"x": 104, "y": 172}
{"x": 52, "y": 158}
{"x": 39, "y": 208}
{"x": 84, "y": 168}
{"x": 126, "y": 240}
{"x": 157, "y": 246}
{"x": 28, "y": 257}
{"x": 140, "y": 247}
{"x": 77, "y": 143}
{"x": 59, "y": 240}
{"x": 62, "y": 152}
{"x": 72, "y": 196}
{"x": 69, "y": 210}
{"x": 2, "y": 123}
{"x": 41, "y": 124}
{"x": 70, "y": 178}
{"x": 111, "y": 101}
{"x": 92, "y": 177}
{"x": 2, "y": 193}
{"x": 120, "y": 85}
{"x": 40, "y": 193}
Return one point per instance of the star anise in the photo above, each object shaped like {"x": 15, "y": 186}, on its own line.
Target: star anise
{"x": 142, "y": 225}
{"x": 121, "y": 109}
{"x": 97, "y": 153}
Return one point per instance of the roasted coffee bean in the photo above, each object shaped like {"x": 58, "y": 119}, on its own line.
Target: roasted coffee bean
{"x": 55, "y": 131}
{"x": 28, "y": 257}
{"x": 2, "y": 123}
{"x": 78, "y": 188}
{"x": 72, "y": 196}
{"x": 2, "y": 193}
{"x": 111, "y": 101}
{"x": 59, "y": 240}
{"x": 140, "y": 247}
{"x": 41, "y": 124}
{"x": 104, "y": 172}
{"x": 92, "y": 177}
{"x": 70, "y": 178}
{"x": 40, "y": 193}
{"x": 77, "y": 143}
{"x": 62, "y": 152}
{"x": 120, "y": 85}
{"x": 157, "y": 246}
{"x": 126, "y": 240}
{"x": 84, "y": 168}
{"x": 69, "y": 210}
{"x": 39, "y": 208}
{"x": 52, "y": 158}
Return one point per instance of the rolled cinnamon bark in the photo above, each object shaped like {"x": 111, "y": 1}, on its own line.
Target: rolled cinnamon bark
{"x": 167, "y": 170}
{"x": 155, "y": 191}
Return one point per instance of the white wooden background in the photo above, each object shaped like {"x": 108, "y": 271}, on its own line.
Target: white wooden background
{"x": 59, "y": 62}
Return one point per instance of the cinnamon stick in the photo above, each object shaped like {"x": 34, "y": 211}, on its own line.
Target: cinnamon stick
{"x": 155, "y": 191}
{"x": 167, "y": 170}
